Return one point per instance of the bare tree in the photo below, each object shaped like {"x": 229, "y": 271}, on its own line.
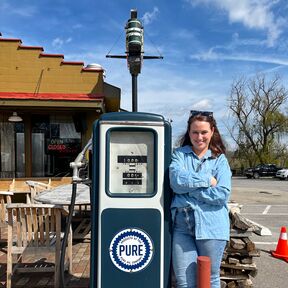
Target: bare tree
{"x": 257, "y": 106}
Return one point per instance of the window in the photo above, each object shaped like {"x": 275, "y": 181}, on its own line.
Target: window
{"x": 55, "y": 143}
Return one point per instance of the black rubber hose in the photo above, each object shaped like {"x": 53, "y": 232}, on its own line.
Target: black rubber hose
{"x": 66, "y": 234}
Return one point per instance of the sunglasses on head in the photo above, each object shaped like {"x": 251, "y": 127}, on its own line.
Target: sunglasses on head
{"x": 202, "y": 113}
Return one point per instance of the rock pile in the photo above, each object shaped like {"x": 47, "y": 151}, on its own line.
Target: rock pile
{"x": 238, "y": 267}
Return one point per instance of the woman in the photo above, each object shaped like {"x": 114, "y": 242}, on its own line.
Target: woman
{"x": 200, "y": 177}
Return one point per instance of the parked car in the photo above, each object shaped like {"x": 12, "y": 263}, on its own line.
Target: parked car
{"x": 262, "y": 170}
{"x": 282, "y": 174}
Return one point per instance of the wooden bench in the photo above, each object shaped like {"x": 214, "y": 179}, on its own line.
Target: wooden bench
{"x": 37, "y": 187}
{"x": 5, "y": 198}
{"x": 36, "y": 229}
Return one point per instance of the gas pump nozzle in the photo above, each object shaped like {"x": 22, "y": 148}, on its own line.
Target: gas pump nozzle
{"x": 79, "y": 162}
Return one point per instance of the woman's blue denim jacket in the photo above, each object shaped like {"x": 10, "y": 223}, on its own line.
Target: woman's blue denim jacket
{"x": 190, "y": 179}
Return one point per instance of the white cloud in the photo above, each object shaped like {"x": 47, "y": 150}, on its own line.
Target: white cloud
{"x": 149, "y": 17}
{"x": 211, "y": 55}
{"x": 237, "y": 41}
{"x": 253, "y": 14}
{"x": 24, "y": 11}
{"x": 206, "y": 56}
{"x": 58, "y": 42}
{"x": 203, "y": 104}
{"x": 183, "y": 34}
{"x": 77, "y": 26}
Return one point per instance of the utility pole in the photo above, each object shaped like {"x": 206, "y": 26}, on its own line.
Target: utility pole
{"x": 134, "y": 53}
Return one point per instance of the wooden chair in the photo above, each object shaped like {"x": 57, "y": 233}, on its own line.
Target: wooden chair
{"x": 12, "y": 185}
{"x": 19, "y": 186}
{"x": 5, "y": 198}
{"x": 83, "y": 229}
{"x": 36, "y": 229}
{"x": 37, "y": 187}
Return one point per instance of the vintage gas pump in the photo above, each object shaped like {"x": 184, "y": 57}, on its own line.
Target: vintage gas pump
{"x": 130, "y": 241}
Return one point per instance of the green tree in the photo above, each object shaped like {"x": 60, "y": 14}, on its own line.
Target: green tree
{"x": 257, "y": 105}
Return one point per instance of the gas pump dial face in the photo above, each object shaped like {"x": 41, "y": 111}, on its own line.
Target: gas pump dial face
{"x": 131, "y": 162}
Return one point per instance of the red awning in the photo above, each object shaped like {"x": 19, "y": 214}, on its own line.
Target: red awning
{"x": 51, "y": 96}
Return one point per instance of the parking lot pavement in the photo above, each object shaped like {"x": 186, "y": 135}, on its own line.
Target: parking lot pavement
{"x": 265, "y": 201}
{"x": 270, "y": 216}
{"x": 259, "y": 191}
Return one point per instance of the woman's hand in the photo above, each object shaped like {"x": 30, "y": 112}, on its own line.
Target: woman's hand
{"x": 213, "y": 181}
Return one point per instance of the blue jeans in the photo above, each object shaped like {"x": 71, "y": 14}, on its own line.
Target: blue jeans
{"x": 186, "y": 249}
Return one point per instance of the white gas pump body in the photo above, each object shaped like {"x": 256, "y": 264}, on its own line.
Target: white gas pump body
{"x": 130, "y": 203}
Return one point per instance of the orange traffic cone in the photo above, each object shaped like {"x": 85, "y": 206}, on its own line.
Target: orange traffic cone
{"x": 282, "y": 246}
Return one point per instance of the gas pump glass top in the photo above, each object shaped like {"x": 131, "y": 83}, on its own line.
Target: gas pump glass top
{"x": 131, "y": 162}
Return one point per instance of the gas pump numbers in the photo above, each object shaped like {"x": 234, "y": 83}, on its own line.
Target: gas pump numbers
{"x": 131, "y": 162}
{"x": 132, "y": 177}
{"x": 127, "y": 159}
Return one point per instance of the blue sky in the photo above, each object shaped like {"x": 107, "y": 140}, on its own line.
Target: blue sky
{"x": 205, "y": 43}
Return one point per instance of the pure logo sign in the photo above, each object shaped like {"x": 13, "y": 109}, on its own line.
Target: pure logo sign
{"x": 131, "y": 250}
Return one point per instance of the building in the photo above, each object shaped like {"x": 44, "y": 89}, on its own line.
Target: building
{"x": 47, "y": 109}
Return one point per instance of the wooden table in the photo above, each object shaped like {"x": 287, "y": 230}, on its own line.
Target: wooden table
{"x": 62, "y": 195}
{"x": 7, "y": 193}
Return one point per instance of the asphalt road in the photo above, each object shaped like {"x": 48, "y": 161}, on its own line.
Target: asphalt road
{"x": 265, "y": 201}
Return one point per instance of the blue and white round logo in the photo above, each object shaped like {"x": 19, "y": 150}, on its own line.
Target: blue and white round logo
{"x": 131, "y": 250}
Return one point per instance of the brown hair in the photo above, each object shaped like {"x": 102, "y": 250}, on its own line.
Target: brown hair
{"x": 216, "y": 144}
